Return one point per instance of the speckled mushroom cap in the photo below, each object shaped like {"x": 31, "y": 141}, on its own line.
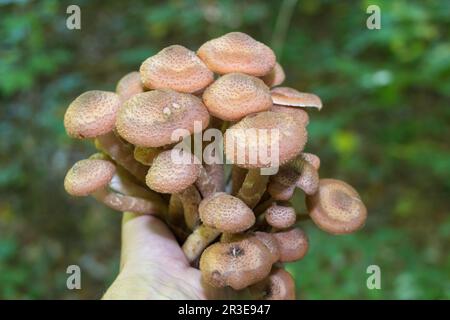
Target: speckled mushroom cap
{"x": 282, "y": 185}
{"x": 92, "y": 114}
{"x": 275, "y": 77}
{"x": 235, "y": 95}
{"x": 270, "y": 242}
{"x": 280, "y": 216}
{"x": 298, "y": 114}
{"x": 291, "y": 97}
{"x": 311, "y": 159}
{"x": 336, "y": 207}
{"x": 87, "y": 176}
{"x": 308, "y": 180}
{"x": 129, "y": 85}
{"x": 236, "y": 264}
{"x": 293, "y": 244}
{"x": 148, "y": 119}
{"x": 237, "y": 52}
{"x": 248, "y": 147}
{"x": 167, "y": 176}
{"x": 226, "y": 213}
{"x": 177, "y": 68}
{"x": 279, "y": 285}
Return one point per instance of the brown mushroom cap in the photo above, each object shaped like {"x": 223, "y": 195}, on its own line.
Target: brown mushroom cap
{"x": 282, "y": 185}
{"x": 291, "y": 139}
{"x": 280, "y": 216}
{"x": 129, "y": 85}
{"x": 166, "y": 176}
{"x": 226, "y": 213}
{"x": 291, "y": 97}
{"x": 270, "y": 242}
{"x": 89, "y": 175}
{"x": 237, "y": 52}
{"x": 336, "y": 207}
{"x": 308, "y": 180}
{"x": 298, "y": 114}
{"x": 279, "y": 285}
{"x": 312, "y": 159}
{"x": 177, "y": 68}
{"x": 235, "y": 95}
{"x": 293, "y": 244}
{"x": 148, "y": 119}
{"x": 236, "y": 264}
{"x": 92, "y": 114}
{"x": 275, "y": 77}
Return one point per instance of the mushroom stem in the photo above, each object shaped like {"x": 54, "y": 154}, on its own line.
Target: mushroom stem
{"x": 145, "y": 156}
{"x": 190, "y": 198}
{"x": 217, "y": 174}
{"x": 122, "y": 202}
{"x": 237, "y": 178}
{"x": 205, "y": 184}
{"x": 122, "y": 153}
{"x": 198, "y": 240}
{"x": 253, "y": 187}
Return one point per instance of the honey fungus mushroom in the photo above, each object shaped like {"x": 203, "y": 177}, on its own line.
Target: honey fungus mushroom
{"x": 280, "y": 215}
{"x": 291, "y": 97}
{"x": 293, "y": 244}
{"x": 275, "y": 77}
{"x": 226, "y": 213}
{"x": 235, "y": 264}
{"x": 93, "y": 176}
{"x": 237, "y": 52}
{"x": 129, "y": 85}
{"x": 235, "y": 95}
{"x": 93, "y": 115}
{"x": 148, "y": 119}
{"x": 279, "y": 285}
{"x": 336, "y": 207}
{"x": 177, "y": 68}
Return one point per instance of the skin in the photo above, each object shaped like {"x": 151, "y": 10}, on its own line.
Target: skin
{"x": 153, "y": 266}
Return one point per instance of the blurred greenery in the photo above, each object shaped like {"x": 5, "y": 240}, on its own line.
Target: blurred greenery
{"x": 384, "y": 128}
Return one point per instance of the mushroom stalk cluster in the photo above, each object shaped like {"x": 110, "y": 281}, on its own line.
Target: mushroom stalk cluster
{"x": 232, "y": 217}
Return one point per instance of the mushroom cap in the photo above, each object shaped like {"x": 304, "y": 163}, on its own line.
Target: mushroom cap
{"x": 226, "y": 213}
{"x": 237, "y": 52}
{"x": 92, "y": 114}
{"x": 87, "y": 176}
{"x": 245, "y": 140}
{"x": 293, "y": 244}
{"x": 308, "y": 180}
{"x": 148, "y": 119}
{"x": 336, "y": 207}
{"x": 298, "y": 114}
{"x": 129, "y": 85}
{"x": 270, "y": 242}
{"x": 235, "y": 264}
{"x": 282, "y": 185}
{"x": 291, "y": 97}
{"x": 280, "y": 216}
{"x": 167, "y": 176}
{"x": 275, "y": 77}
{"x": 235, "y": 95}
{"x": 312, "y": 159}
{"x": 177, "y": 68}
{"x": 279, "y": 285}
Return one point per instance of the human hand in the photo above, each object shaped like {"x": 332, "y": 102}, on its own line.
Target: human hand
{"x": 153, "y": 266}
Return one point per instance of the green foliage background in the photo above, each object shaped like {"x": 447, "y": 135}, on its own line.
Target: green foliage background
{"x": 384, "y": 128}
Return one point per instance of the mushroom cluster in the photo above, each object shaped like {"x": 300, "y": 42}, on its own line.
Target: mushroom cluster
{"x": 233, "y": 221}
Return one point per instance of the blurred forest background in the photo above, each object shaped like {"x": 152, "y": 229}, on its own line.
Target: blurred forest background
{"x": 384, "y": 128}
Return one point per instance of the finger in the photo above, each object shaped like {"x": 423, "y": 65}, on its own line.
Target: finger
{"x": 146, "y": 239}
